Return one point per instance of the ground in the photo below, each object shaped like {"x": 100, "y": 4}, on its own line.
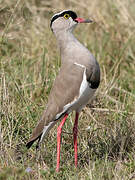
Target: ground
{"x": 29, "y": 63}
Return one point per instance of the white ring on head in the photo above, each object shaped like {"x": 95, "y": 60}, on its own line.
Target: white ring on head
{"x": 57, "y": 14}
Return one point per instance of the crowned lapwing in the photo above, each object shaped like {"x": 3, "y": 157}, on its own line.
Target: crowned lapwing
{"x": 75, "y": 84}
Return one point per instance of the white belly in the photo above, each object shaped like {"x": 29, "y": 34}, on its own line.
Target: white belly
{"x": 83, "y": 100}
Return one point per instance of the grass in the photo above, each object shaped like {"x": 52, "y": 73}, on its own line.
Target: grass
{"x": 29, "y": 62}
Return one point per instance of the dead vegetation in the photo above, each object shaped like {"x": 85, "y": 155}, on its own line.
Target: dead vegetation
{"x": 29, "y": 62}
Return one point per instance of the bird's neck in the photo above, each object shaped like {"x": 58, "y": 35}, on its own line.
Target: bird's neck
{"x": 64, "y": 38}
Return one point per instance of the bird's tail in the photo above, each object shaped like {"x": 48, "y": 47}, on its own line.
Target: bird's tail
{"x": 43, "y": 127}
{"x": 30, "y": 142}
{"x": 40, "y": 132}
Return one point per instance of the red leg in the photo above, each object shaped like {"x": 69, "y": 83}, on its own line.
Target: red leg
{"x": 75, "y": 130}
{"x": 59, "y": 141}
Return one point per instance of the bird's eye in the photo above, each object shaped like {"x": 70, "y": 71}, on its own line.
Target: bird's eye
{"x": 66, "y": 16}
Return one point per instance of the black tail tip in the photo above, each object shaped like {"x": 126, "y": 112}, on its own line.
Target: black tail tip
{"x": 29, "y": 144}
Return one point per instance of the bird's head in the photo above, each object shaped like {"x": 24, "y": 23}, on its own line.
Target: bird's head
{"x": 66, "y": 21}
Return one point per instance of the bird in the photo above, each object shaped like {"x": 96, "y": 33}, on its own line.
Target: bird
{"x": 75, "y": 84}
